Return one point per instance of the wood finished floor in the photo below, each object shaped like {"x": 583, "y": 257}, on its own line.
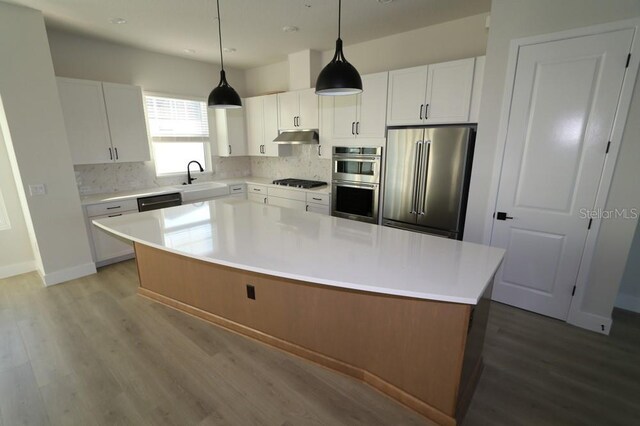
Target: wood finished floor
{"x": 93, "y": 352}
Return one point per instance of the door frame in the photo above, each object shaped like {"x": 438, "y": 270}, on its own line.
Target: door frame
{"x": 576, "y": 315}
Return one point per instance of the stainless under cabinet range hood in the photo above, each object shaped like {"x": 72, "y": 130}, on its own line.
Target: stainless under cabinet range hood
{"x": 297, "y": 137}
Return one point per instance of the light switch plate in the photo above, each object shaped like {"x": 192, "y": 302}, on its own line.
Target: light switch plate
{"x": 37, "y": 189}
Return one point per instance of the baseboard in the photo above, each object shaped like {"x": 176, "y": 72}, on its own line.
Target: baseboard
{"x": 628, "y": 302}
{"x": 17, "y": 269}
{"x": 592, "y": 322}
{"x": 68, "y": 274}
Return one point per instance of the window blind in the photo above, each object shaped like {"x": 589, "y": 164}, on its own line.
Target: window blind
{"x": 175, "y": 120}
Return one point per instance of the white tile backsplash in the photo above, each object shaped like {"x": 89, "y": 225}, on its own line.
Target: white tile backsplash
{"x": 105, "y": 178}
{"x": 303, "y": 163}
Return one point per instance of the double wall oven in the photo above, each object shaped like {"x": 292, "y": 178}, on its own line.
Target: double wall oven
{"x": 356, "y": 183}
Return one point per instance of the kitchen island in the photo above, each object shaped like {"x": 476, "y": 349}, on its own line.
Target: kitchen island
{"x": 402, "y": 311}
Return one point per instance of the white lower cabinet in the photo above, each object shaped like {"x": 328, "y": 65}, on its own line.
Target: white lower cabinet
{"x": 318, "y": 203}
{"x": 286, "y": 202}
{"x": 290, "y": 198}
{"x": 106, "y": 246}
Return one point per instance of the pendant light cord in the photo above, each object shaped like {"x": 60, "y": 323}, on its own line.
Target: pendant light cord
{"x": 220, "y": 35}
{"x": 339, "y": 16}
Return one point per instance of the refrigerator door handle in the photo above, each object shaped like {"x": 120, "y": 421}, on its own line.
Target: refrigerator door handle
{"x": 423, "y": 178}
{"x": 416, "y": 176}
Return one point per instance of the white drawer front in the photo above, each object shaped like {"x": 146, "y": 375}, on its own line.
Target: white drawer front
{"x": 318, "y": 208}
{"x": 237, "y": 189}
{"x": 112, "y": 207}
{"x": 287, "y": 193}
{"x": 316, "y": 198}
{"x": 257, "y": 189}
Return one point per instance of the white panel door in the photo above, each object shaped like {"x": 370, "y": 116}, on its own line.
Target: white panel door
{"x": 345, "y": 116}
{"x": 230, "y": 132}
{"x": 562, "y": 111}
{"x": 254, "y": 117}
{"x": 85, "y": 119}
{"x": 127, "y": 122}
{"x": 288, "y": 110}
{"x": 449, "y": 92}
{"x": 308, "y": 116}
{"x": 407, "y": 94}
{"x": 324, "y": 148}
{"x": 372, "y": 106}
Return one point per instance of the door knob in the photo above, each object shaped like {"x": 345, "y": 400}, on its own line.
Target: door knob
{"x": 502, "y": 216}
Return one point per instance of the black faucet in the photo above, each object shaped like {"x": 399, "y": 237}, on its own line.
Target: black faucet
{"x": 189, "y": 178}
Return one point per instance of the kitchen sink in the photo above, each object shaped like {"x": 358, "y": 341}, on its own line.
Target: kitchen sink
{"x": 202, "y": 191}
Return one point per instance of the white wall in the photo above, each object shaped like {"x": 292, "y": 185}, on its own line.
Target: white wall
{"x": 16, "y": 255}
{"x": 512, "y": 19}
{"x": 92, "y": 59}
{"x": 36, "y": 140}
{"x": 457, "y": 39}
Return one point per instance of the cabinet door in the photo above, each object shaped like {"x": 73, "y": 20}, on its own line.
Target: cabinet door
{"x": 308, "y": 116}
{"x": 230, "y": 132}
{"x": 449, "y": 91}
{"x": 127, "y": 122}
{"x": 372, "y": 106}
{"x": 272, "y": 149}
{"x": 406, "y": 97}
{"x": 254, "y": 117}
{"x": 287, "y": 203}
{"x": 345, "y": 116}
{"x": 324, "y": 148}
{"x": 106, "y": 245}
{"x": 476, "y": 92}
{"x": 318, "y": 208}
{"x": 85, "y": 119}
{"x": 257, "y": 198}
{"x": 288, "y": 110}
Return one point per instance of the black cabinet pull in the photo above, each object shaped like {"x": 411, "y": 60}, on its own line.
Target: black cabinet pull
{"x": 357, "y": 127}
{"x": 114, "y": 207}
{"x": 110, "y": 154}
{"x": 116, "y": 151}
{"x": 353, "y": 124}
{"x": 421, "y": 108}
{"x": 426, "y": 111}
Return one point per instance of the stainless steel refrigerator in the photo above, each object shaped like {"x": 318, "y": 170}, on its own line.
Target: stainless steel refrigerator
{"x": 427, "y": 179}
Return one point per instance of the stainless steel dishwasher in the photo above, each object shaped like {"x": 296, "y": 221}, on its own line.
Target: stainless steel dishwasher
{"x": 155, "y": 202}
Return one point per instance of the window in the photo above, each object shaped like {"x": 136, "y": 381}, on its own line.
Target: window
{"x": 179, "y": 132}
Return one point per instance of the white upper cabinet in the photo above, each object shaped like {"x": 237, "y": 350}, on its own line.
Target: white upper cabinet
{"x": 227, "y": 132}
{"x": 449, "y": 92}
{"x": 362, "y": 115}
{"x": 308, "y": 116}
{"x": 254, "y": 116}
{"x": 325, "y": 146}
{"x": 431, "y": 94}
{"x": 298, "y": 110}
{"x": 105, "y": 122}
{"x": 407, "y": 94}
{"x": 127, "y": 122}
{"x": 261, "y": 115}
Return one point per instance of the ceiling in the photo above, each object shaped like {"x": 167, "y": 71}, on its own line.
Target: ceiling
{"x": 252, "y": 27}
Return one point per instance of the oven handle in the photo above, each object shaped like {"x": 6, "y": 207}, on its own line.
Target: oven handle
{"x": 355, "y": 185}
{"x": 356, "y": 157}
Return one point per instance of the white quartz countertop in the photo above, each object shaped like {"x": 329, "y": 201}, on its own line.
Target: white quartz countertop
{"x": 124, "y": 195}
{"x": 316, "y": 248}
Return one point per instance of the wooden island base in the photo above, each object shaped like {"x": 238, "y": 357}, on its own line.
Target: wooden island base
{"x": 422, "y": 353}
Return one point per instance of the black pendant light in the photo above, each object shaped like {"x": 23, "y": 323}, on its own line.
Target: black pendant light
{"x": 223, "y": 96}
{"x": 339, "y": 77}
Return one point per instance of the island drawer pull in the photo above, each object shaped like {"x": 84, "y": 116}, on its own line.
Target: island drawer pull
{"x": 114, "y": 215}
{"x": 114, "y": 207}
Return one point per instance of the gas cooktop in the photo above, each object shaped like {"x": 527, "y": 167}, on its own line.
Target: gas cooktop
{"x": 299, "y": 183}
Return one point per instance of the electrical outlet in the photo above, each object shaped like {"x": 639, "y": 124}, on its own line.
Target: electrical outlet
{"x": 251, "y": 292}
{"x": 37, "y": 189}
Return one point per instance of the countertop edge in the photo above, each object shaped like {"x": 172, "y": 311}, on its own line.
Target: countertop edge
{"x": 310, "y": 279}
